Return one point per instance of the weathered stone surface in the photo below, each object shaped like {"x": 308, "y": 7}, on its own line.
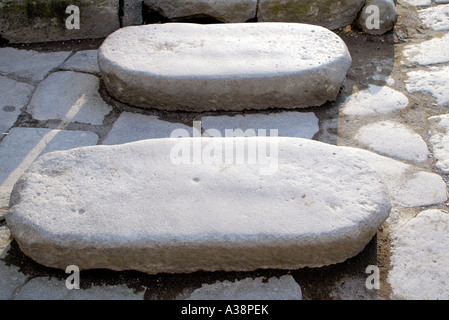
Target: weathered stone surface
{"x": 436, "y": 18}
{"x": 419, "y": 257}
{"x": 429, "y": 52}
{"x": 374, "y": 100}
{"x": 388, "y": 16}
{"x": 130, "y": 127}
{"x": 23, "y": 145}
{"x": 130, "y": 207}
{"x": 224, "y": 66}
{"x": 394, "y": 139}
{"x": 283, "y": 288}
{"x": 327, "y": 13}
{"x": 132, "y": 13}
{"x": 24, "y": 21}
{"x": 440, "y": 141}
{"x": 14, "y": 96}
{"x": 69, "y": 96}
{"x": 84, "y": 61}
{"x": 289, "y": 124}
{"x": 226, "y": 11}
{"x": 29, "y": 65}
{"x": 433, "y": 80}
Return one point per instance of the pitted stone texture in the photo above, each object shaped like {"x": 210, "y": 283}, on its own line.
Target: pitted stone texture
{"x": 388, "y": 16}
{"x": 283, "y": 288}
{"x": 130, "y": 207}
{"x": 419, "y": 257}
{"x": 222, "y": 10}
{"x": 24, "y": 145}
{"x": 196, "y": 67}
{"x": 14, "y": 96}
{"x": 327, "y": 13}
{"x": 71, "y": 97}
{"x": 29, "y": 65}
{"x": 25, "y": 21}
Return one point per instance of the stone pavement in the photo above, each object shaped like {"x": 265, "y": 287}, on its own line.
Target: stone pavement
{"x": 393, "y": 107}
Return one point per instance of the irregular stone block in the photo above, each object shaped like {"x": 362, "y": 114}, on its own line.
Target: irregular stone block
{"x": 384, "y": 22}
{"x": 226, "y": 11}
{"x": 132, "y": 206}
{"x": 132, "y": 13}
{"x": 25, "y": 21}
{"x": 327, "y": 13}
{"x": 196, "y": 67}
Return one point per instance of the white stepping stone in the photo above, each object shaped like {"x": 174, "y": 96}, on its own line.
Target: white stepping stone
{"x": 374, "y": 100}
{"x": 84, "y": 61}
{"x": 434, "y": 81}
{"x": 419, "y": 3}
{"x": 130, "y": 206}
{"x": 429, "y": 52}
{"x": 71, "y": 97}
{"x": 393, "y": 139}
{"x": 131, "y": 127}
{"x": 22, "y": 146}
{"x": 29, "y": 65}
{"x": 436, "y": 18}
{"x": 419, "y": 259}
{"x": 283, "y": 288}
{"x": 197, "y": 67}
{"x": 14, "y": 96}
{"x": 289, "y": 124}
{"x": 226, "y": 11}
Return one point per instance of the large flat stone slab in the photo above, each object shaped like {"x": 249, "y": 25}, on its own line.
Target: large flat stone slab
{"x": 130, "y": 207}
{"x": 224, "y": 66}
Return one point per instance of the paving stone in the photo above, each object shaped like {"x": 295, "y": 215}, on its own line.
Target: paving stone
{"x": 23, "y": 145}
{"x": 408, "y": 185}
{"x": 288, "y": 124}
{"x": 14, "y": 96}
{"x": 195, "y": 67}
{"x": 393, "y": 139}
{"x": 429, "y": 52}
{"x": 440, "y": 141}
{"x": 283, "y": 288}
{"x": 433, "y": 80}
{"x": 25, "y": 21}
{"x": 388, "y": 16}
{"x": 226, "y": 11}
{"x": 71, "y": 97}
{"x": 45, "y": 288}
{"x": 419, "y": 257}
{"x": 436, "y": 18}
{"x": 29, "y": 65}
{"x": 329, "y": 14}
{"x": 374, "y": 100}
{"x": 321, "y": 205}
{"x": 131, "y": 127}
{"x": 10, "y": 280}
{"x": 84, "y": 61}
